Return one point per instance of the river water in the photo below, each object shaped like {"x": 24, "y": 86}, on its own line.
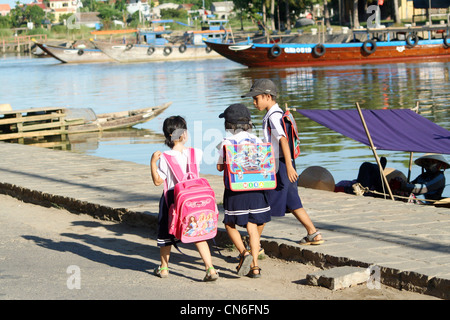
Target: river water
{"x": 201, "y": 90}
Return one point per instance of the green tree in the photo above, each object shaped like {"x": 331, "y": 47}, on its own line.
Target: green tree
{"x": 108, "y": 14}
{"x": 34, "y": 14}
{"x": 17, "y": 15}
{"x": 5, "y": 22}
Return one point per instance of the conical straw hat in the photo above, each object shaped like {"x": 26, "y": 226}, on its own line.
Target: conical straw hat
{"x": 392, "y": 173}
{"x": 316, "y": 177}
{"x": 432, "y": 156}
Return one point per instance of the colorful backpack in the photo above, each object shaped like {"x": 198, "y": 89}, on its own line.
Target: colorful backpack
{"x": 249, "y": 167}
{"x": 194, "y": 215}
{"x": 291, "y": 131}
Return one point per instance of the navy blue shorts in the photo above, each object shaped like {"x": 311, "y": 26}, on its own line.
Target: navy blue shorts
{"x": 284, "y": 198}
{"x": 242, "y": 207}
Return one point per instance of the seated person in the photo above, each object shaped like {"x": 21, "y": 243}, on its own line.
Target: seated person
{"x": 369, "y": 175}
{"x": 431, "y": 182}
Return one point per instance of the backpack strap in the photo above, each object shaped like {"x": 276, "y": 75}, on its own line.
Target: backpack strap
{"x": 174, "y": 167}
{"x": 176, "y": 170}
{"x": 192, "y": 163}
{"x": 269, "y": 128}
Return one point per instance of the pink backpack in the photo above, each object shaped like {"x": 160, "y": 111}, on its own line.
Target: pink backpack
{"x": 193, "y": 215}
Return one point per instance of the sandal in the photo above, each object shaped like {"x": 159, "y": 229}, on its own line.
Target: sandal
{"x": 252, "y": 273}
{"x": 309, "y": 239}
{"x": 157, "y": 272}
{"x": 244, "y": 263}
{"x": 209, "y": 276}
{"x": 260, "y": 252}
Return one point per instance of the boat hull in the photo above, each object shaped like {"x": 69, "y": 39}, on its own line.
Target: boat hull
{"x": 68, "y": 55}
{"x": 148, "y": 53}
{"x": 118, "y": 120}
{"x": 298, "y": 55}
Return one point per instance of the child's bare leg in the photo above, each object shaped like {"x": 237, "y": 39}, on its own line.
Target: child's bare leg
{"x": 164, "y": 253}
{"x": 235, "y": 237}
{"x": 253, "y": 233}
{"x": 260, "y": 229}
{"x": 205, "y": 254}
{"x": 305, "y": 220}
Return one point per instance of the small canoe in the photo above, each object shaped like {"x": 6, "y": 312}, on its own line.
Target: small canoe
{"x": 115, "y": 120}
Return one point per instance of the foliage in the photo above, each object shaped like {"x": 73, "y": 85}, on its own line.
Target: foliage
{"x": 108, "y": 14}
{"x": 5, "y": 22}
{"x": 173, "y": 14}
{"x": 34, "y": 14}
{"x": 38, "y": 31}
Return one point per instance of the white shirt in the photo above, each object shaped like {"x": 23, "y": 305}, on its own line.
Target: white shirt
{"x": 277, "y": 130}
{"x": 239, "y": 138}
{"x": 163, "y": 168}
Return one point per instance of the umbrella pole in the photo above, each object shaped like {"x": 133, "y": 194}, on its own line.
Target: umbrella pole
{"x": 374, "y": 151}
{"x": 410, "y": 165}
{"x": 416, "y": 110}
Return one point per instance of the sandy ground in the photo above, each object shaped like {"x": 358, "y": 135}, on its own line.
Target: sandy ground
{"x": 49, "y": 253}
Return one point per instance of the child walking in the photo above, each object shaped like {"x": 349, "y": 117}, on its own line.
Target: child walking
{"x": 285, "y": 197}
{"x": 175, "y": 132}
{"x": 248, "y": 209}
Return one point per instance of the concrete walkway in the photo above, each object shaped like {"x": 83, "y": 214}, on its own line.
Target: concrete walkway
{"x": 407, "y": 245}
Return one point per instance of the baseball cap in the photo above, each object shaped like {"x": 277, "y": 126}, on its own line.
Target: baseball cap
{"x": 236, "y": 113}
{"x": 262, "y": 86}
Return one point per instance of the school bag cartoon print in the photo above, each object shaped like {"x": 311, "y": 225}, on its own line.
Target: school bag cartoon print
{"x": 249, "y": 166}
{"x": 194, "y": 215}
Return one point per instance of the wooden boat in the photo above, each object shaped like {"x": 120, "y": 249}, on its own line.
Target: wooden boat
{"x": 149, "y": 53}
{"x": 153, "y": 45}
{"x": 116, "y": 120}
{"x": 50, "y": 121}
{"x": 74, "y": 55}
{"x": 365, "y": 47}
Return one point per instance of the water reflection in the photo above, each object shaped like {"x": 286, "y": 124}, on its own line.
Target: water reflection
{"x": 201, "y": 90}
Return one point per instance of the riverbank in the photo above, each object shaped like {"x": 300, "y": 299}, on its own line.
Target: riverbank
{"x": 409, "y": 243}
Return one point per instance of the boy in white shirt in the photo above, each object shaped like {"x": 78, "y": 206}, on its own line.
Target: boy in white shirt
{"x": 285, "y": 197}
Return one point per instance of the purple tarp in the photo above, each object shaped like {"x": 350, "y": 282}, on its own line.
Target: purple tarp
{"x": 397, "y": 130}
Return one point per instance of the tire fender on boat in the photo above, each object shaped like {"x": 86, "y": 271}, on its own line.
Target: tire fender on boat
{"x": 208, "y": 49}
{"x": 275, "y": 51}
{"x": 447, "y": 42}
{"x": 319, "y": 50}
{"x": 182, "y": 48}
{"x": 167, "y": 51}
{"x": 80, "y": 52}
{"x": 128, "y": 46}
{"x": 372, "y": 44}
{"x": 411, "y": 40}
{"x": 150, "y": 50}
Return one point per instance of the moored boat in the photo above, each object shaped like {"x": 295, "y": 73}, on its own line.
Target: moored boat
{"x": 154, "y": 45}
{"x": 74, "y": 55}
{"x": 115, "y": 120}
{"x": 51, "y": 121}
{"x": 418, "y": 43}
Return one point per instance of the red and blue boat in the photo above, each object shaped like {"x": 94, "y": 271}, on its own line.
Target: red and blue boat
{"x": 378, "y": 45}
